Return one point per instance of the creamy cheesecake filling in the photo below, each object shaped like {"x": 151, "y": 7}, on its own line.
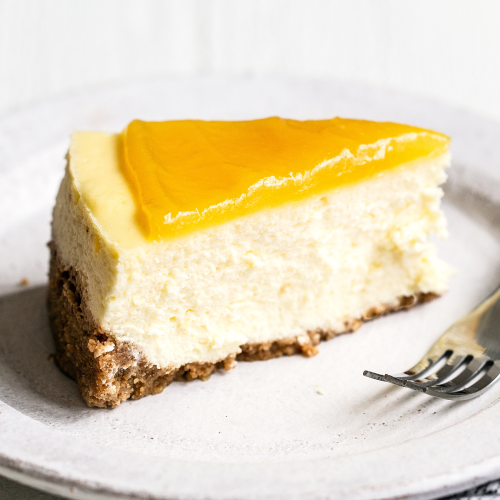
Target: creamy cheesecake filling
{"x": 264, "y": 276}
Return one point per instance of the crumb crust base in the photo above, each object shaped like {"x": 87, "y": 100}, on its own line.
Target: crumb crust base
{"x": 109, "y": 371}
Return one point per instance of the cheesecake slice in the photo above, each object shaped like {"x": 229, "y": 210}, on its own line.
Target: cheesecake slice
{"x": 181, "y": 247}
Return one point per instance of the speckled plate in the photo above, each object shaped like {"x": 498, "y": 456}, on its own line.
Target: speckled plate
{"x": 283, "y": 429}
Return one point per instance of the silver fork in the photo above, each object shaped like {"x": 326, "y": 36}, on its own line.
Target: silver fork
{"x": 463, "y": 363}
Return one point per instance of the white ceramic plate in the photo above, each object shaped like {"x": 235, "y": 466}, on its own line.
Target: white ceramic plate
{"x": 282, "y": 429}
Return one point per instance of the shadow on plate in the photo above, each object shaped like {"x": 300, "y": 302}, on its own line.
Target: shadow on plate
{"x": 29, "y": 379}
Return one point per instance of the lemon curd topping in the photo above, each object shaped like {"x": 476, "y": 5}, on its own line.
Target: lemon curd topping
{"x": 188, "y": 175}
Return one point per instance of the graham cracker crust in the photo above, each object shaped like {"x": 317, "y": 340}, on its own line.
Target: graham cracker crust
{"x": 109, "y": 371}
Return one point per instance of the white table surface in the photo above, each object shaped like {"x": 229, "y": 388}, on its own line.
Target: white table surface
{"x": 447, "y": 50}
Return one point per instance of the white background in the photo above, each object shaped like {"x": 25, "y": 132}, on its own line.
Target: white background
{"x": 448, "y": 50}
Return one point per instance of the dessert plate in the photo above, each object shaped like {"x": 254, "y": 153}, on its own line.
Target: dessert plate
{"x": 282, "y": 429}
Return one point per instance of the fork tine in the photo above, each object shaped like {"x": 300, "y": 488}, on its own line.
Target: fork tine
{"x": 480, "y": 386}
{"x": 433, "y": 367}
{"x": 474, "y": 372}
{"x": 395, "y": 380}
{"x": 447, "y": 373}
{"x": 486, "y": 380}
{"x": 374, "y": 375}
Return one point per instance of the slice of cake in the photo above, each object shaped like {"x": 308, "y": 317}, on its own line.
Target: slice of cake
{"x": 180, "y": 247}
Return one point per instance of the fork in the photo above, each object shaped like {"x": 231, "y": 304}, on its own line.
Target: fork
{"x": 463, "y": 363}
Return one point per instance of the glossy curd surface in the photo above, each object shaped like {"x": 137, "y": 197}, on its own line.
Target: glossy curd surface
{"x": 188, "y": 175}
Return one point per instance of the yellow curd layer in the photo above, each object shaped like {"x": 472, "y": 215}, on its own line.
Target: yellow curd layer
{"x": 191, "y": 174}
